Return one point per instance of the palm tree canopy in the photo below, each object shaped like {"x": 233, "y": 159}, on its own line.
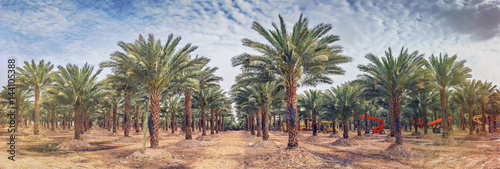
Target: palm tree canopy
{"x": 304, "y": 56}
{"x": 447, "y": 71}
{"x": 391, "y": 76}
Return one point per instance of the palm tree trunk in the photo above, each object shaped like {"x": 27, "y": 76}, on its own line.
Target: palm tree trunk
{"x": 397, "y": 120}
{"x": 203, "y": 120}
{"x": 462, "y": 118}
{"x": 137, "y": 118}
{"x": 252, "y": 124}
{"x": 345, "y": 126}
{"x": 471, "y": 126}
{"x": 366, "y": 122}
{"x": 211, "y": 120}
{"x": 126, "y": 120}
{"x": 314, "y": 127}
{"x": 442, "y": 95}
{"x": 154, "y": 96}
{"x": 291, "y": 104}
{"x": 108, "y": 122}
{"x": 36, "y": 131}
{"x": 265, "y": 133}
{"x": 175, "y": 123}
{"x": 279, "y": 122}
{"x": 217, "y": 123}
{"x": 483, "y": 113}
{"x": 187, "y": 107}
{"x": 172, "y": 123}
{"x": 274, "y": 123}
{"x": 359, "y": 125}
{"x": 77, "y": 122}
{"x": 424, "y": 110}
{"x": 371, "y": 121}
{"x": 64, "y": 121}
{"x": 114, "y": 117}
{"x": 53, "y": 114}
{"x": 391, "y": 117}
{"x": 259, "y": 123}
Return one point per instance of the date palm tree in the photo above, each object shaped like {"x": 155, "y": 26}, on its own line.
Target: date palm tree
{"x": 37, "y": 77}
{"x": 122, "y": 81}
{"x": 487, "y": 89}
{"x": 391, "y": 76}
{"x": 447, "y": 72}
{"x": 312, "y": 102}
{"x": 304, "y": 56}
{"x": 155, "y": 65}
{"x": 264, "y": 95}
{"x": 189, "y": 83}
{"x": 77, "y": 85}
{"x": 471, "y": 93}
{"x": 342, "y": 100}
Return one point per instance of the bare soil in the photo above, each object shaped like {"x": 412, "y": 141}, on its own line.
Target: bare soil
{"x": 100, "y": 148}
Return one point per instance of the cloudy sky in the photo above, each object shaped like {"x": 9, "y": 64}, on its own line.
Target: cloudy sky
{"x": 78, "y": 32}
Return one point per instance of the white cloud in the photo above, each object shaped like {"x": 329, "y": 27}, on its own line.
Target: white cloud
{"x": 62, "y": 32}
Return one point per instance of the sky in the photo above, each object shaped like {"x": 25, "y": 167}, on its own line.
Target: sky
{"x": 80, "y": 32}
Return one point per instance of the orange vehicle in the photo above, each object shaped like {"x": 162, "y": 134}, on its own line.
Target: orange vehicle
{"x": 435, "y": 128}
{"x": 379, "y": 128}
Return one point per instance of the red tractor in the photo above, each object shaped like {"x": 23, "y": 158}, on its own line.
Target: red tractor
{"x": 435, "y": 128}
{"x": 379, "y": 128}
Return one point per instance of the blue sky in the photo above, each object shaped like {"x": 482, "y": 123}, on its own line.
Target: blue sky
{"x": 78, "y": 32}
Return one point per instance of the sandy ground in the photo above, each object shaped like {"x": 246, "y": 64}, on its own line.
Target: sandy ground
{"x": 239, "y": 149}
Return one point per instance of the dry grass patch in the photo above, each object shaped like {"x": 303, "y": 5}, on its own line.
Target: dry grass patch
{"x": 191, "y": 144}
{"x": 162, "y": 154}
{"x": 344, "y": 142}
{"x": 296, "y": 158}
{"x": 127, "y": 140}
{"x": 265, "y": 144}
{"x": 74, "y": 144}
{"x": 210, "y": 137}
{"x": 313, "y": 139}
{"x": 395, "y": 151}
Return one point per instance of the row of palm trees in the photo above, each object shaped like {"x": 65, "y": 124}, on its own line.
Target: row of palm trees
{"x": 307, "y": 56}
{"x": 147, "y": 75}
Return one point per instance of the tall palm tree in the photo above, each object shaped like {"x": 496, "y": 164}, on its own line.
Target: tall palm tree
{"x": 120, "y": 64}
{"x": 37, "y": 77}
{"x": 391, "y": 76}
{"x": 78, "y": 85}
{"x": 312, "y": 102}
{"x": 447, "y": 72}
{"x": 190, "y": 83}
{"x": 156, "y": 65}
{"x": 304, "y": 56}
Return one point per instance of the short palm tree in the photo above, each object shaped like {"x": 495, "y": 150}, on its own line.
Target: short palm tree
{"x": 343, "y": 101}
{"x": 391, "y": 76}
{"x": 264, "y": 95}
{"x": 37, "y": 77}
{"x": 312, "y": 102}
{"x": 470, "y": 93}
{"x": 304, "y": 56}
{"x": 487, "y": 89}
{"x": 447, "y": 72}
